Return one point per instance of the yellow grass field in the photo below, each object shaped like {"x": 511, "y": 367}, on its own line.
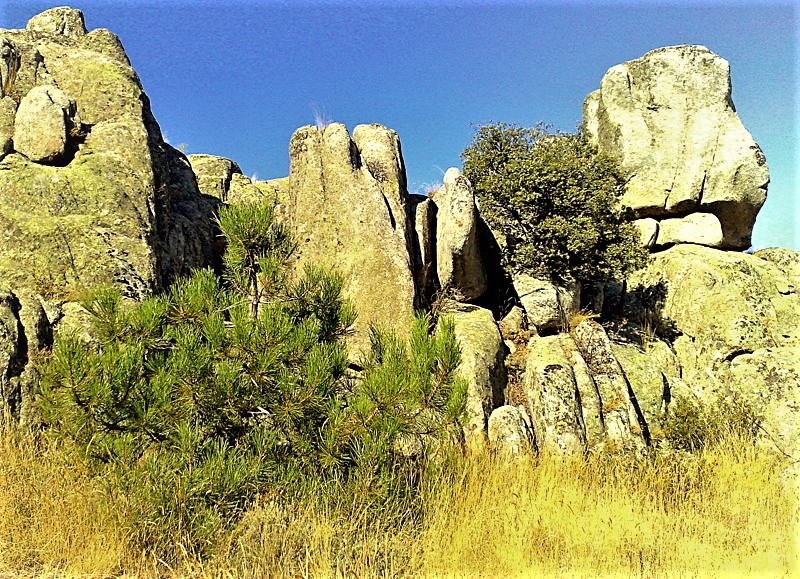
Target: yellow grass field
{"x": 729, "y": 511}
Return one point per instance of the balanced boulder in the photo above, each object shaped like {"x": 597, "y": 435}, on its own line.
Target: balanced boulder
{"x": 669, "y": 119}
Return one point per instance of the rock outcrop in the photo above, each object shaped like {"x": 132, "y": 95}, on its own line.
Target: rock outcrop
{"x": 482, "y": 357}
{"x": 732, "y": 321}
{"x": 89, "y": 191}
{"x": 349, "y": 210}
{"x": 669, "y": 118}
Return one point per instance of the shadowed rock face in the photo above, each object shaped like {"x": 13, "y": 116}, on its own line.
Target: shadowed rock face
{"x": 89, "y": 191}
{"x": 668, "y": 117}
{"x": 349, "y": 209}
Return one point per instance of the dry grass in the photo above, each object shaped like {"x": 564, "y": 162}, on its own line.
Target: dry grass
{"x": 726, "y": 512}
{"x": 54, "y": 518}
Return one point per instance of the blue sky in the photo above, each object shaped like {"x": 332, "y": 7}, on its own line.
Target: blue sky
{"x": 236, "y": 78}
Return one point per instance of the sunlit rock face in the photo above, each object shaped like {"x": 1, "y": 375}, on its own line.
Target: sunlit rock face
{"x": 669, "y": 118}
{"x": 349, "y": 209}
{"x": 89, "y": 191}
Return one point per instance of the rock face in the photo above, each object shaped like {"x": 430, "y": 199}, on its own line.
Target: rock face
{"x": 669, "y": 118}
{"x": 458, "y": 252}
{"x": 89, "y": 191}
{"x": 349, "y": 209}
{"x": 482, "y": 356}
{"x": 732, "y": 320}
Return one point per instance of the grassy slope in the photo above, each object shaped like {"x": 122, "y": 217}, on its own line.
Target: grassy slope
{"x": 726, "y": 512}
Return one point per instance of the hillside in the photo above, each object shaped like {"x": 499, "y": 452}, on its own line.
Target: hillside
{"x": 703, "y": 337}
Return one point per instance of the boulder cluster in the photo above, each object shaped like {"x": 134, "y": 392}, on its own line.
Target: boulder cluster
{"x": 90, "y": 193}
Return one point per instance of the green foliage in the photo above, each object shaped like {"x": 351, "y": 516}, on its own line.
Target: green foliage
{"x": 554, "y": 202}
{"x": 195, "y": 402}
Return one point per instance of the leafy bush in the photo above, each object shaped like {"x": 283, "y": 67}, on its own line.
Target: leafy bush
{"x": 553, "y": 201}
{"x": 195, "y": 402}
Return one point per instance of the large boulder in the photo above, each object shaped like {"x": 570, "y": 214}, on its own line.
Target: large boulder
{"x": 733, "y": 321}
{"x": 482, "y": 364}
{"x": 723, "y": 302}
{"x": 90, "y": 192}
{"x": 458, "y": 256}
{"x": 350, "y": 212}
{"x": 669, "y": 118}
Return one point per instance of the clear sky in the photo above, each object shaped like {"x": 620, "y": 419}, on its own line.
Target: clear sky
{"x": 236, "y": 78}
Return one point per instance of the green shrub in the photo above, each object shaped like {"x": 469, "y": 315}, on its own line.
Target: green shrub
{"x": 195, "y": 402}
{"x": 553, "y": 201}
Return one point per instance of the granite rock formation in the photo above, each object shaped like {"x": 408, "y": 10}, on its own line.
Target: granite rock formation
{"x": 669, "y": 118}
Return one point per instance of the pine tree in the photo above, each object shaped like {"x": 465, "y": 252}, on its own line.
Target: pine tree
{"x": 196, "y": 401}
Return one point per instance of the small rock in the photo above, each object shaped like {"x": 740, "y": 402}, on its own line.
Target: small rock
{"x": 548, "y": 306}
{"x": 508, "y": 432}
{"x": 698, "y": 228}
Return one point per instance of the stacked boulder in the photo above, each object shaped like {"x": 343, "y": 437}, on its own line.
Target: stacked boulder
{"x": 90, "y": 193}
{"x": 695, "y": 173}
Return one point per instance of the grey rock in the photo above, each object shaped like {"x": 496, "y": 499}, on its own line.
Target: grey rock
{"x": 648, "y": 231}
{"x": 213, "y": 174}
{"x": 482, "y": 356}
{"x": 548, "y": 305}
{"x": 115, "y": 204}
{"x": 625, "y": 427}
{"x": 508, "y": 432}
{"x": 349, "y": 218}
{"x": 551, "y": 392}
{"x": 458, "y": 256}
{"x": 698, "y": 228}
{"x": 425, "y": 231}
{"x": 63, "y": 20}
{"x": 668, "y": 116}
{"x": 44, "y": 118}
